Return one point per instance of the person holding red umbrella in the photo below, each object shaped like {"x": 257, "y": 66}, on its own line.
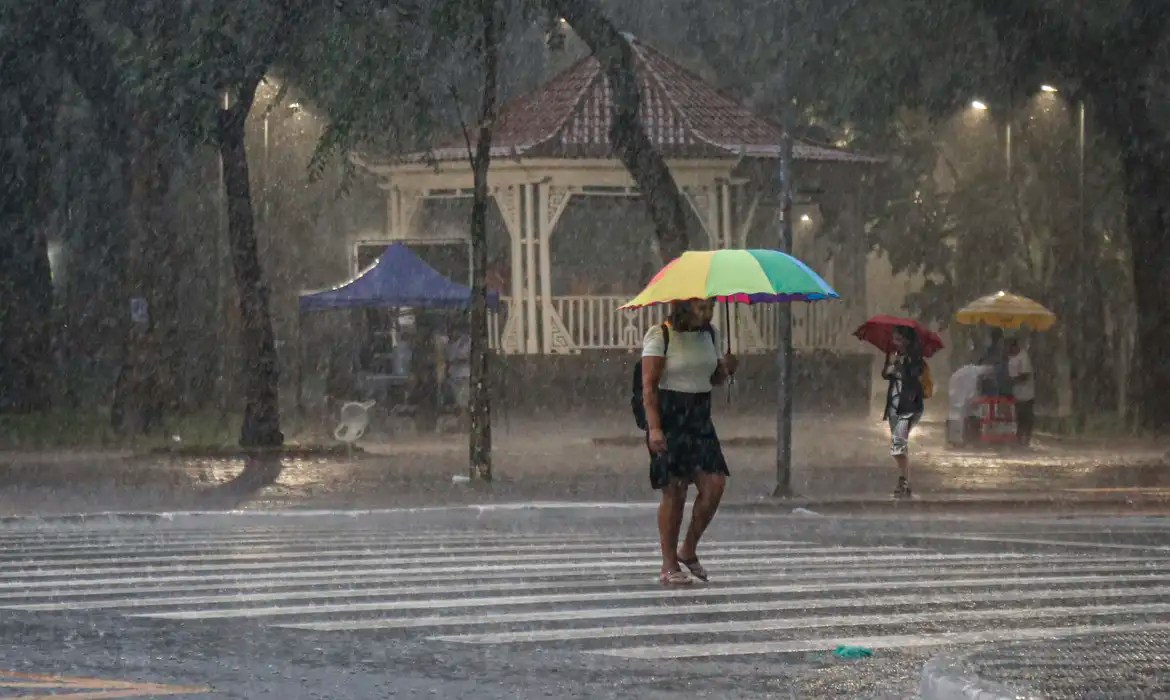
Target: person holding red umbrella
{"x": 904, "y": 370}
{"x": 906, "y": 343}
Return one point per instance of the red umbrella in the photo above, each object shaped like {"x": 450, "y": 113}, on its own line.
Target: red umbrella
{"x": 879, "y": 332}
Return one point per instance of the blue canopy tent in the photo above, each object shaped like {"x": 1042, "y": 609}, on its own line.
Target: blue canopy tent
{"x": 397, "y": 279}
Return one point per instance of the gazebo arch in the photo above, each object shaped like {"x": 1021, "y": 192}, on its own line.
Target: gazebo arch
{"x": 552, "y": 145}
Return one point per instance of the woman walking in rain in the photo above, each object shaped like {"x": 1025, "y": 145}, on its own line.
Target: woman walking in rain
{"x": 680, "y": 365}
{"x": 904, "y": 400}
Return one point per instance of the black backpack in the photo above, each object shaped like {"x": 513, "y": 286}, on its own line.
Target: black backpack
{"x": 636, "y": 402}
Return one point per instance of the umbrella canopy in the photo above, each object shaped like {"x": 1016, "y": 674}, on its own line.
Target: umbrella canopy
{"x": 399, "y": 278}
{"x": 1009, "y": 311}
{"x": 737, "y": 276}
{"x": 879, "y": 332}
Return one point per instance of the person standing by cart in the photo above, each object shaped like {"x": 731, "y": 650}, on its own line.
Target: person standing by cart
{"x": 1024, "y": 389}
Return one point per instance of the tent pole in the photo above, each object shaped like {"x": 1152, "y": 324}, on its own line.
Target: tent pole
{"x": 300, "y": 367}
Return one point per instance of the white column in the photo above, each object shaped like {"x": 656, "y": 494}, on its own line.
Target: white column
{"x": 542, "y": 236}
{"x": 552, "y": 202}
{"x": 724, "y": 240}
{"x": 725, "y": 233}
{"x": 532, "y": 345}
{"x": 713, "y": 224}
{"x": 391, "y": 212}
{"x": 508, "y": 201}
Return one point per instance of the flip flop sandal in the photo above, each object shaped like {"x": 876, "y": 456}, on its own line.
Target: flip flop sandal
{"x": 675, "y": 578}
{"x": 695, "y": 568}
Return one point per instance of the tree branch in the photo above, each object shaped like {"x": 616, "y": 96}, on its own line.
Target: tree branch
{"x": 627, "y": 134}
{"x": 463, "y": 124}
{"x": 92, "y": 66}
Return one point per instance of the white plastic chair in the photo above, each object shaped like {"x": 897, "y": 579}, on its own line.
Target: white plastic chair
{"x": 355, "y": 418}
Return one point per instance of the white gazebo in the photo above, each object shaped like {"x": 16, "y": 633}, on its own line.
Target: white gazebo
{"x": 552, "y": 145}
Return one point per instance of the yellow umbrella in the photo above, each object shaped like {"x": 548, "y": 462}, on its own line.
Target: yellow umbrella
{"x": 1009, "y": 311}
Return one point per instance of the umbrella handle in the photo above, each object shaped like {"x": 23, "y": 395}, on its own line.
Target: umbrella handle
{"x": 727, "y": 332}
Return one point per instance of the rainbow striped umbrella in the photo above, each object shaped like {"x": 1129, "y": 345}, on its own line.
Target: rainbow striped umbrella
{"x": 753, "y": 276}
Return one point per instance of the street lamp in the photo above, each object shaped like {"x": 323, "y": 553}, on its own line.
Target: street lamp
{"x": 1048, "y": 88}
{"x": 979, "y": 105}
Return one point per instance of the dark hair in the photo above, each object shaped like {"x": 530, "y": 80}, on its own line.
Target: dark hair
{"x": 680, "y": 315}
{"x": 913, "y": 348}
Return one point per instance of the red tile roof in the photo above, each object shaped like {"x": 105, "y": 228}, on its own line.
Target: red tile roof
{"x": 570, "y": 118}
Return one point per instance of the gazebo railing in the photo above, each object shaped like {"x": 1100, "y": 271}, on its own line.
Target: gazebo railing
{"x": 595, "y": 323}
{"x": 824, "y": 325}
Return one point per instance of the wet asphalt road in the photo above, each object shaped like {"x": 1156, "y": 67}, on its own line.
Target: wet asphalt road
{"x": 552, "y": 602}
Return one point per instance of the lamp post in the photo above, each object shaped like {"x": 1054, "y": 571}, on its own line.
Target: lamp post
{"x": 784, "y": 379}
{"x": 1082, "y": 275}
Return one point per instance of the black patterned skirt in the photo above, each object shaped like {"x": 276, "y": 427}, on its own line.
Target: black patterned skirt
{"x": 691, "y": 443}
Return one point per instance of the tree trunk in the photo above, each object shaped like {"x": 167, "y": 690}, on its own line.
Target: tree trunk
{"x": 480, "y": 436}
{"x": 627, "y": 133}
{"x": 1145, "y": 161}
{"x": 144, "y": 387}
{"x": 261, "y": 424}
{"x": 26, "y": 289}
{"x": 1147, "y": 185}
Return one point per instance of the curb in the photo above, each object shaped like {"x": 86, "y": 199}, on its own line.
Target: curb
{"x": 943, "y": 678}
{"x": 958, "y": 502}
{"x": 82, "y": 518}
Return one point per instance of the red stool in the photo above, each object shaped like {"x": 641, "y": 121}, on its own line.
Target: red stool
{"x": 997, "y": 419}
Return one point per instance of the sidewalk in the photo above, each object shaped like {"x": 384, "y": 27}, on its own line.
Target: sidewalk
{"x": 839, "y": 463}
{"x": 1125, "y": 666}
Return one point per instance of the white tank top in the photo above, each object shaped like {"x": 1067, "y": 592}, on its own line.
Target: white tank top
{"x": 691, "y": 358}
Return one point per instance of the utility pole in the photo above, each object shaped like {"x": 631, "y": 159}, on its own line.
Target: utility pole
{"x": 784, "y": 381}
{"x": 1082, "y": 394}
{"x": 222, "y": 260}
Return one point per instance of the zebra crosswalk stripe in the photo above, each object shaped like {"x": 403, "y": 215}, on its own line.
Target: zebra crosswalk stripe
{"x": 712, "y": 592}
{"x": 435, "y": 587}
{"x": 589, "y": 592}
{"x": 790, "y": 623}
{"x": 52, "y": 578}
{"x": 583, "y": 614}
{"x": 272, "y": 560}
{"x": 26, "y": 558}
{"x": 904, "y": 641}
{"x": 827, "y": 568}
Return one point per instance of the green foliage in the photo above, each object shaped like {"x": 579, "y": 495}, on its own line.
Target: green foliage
{"x": 91, "y": 429}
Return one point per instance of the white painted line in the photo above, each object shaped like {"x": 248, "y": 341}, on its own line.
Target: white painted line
{"x": 449, "y": 553}
{"x": 177, "y": 535}
{"x": 151, "y": 531}
{"x": 688, "y": 651}
{"x": 378, "y": 567}
{"x": 883, "y": 619}
{"x": 309, "y": 539}
{"x": 198, "y": 517}
{"x": 155, "y": 547}
{"x": 1022, "y": 540}
{"x": 624, "y": 613}
{"x": 1043, "y": 564}
{"x": 663, "y": 594}
{"x": 315, "y": 562}
{"x": 143, "y": 597}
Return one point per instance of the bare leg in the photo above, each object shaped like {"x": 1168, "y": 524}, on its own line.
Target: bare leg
{"x": 670, "y": 514}
{"x": 903, "y": 463}
{"x": 710, "y": 488}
